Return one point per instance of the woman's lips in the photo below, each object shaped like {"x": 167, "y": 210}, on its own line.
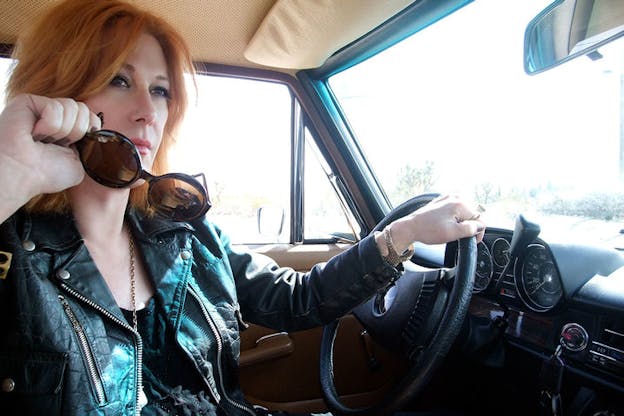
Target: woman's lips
{"x": 143, "y": 146}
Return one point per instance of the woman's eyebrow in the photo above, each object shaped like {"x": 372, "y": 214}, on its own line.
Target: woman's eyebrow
{"x": 131, "y": 68}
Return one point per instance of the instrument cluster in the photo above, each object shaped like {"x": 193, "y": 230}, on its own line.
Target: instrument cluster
{"x": 531, "y": 279}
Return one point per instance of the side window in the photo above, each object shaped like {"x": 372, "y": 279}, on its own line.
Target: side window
{"x": 238, "y": 133}
{"x": 326, "y": 215}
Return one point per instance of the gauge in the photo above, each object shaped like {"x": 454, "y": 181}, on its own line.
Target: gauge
{"x": 500, "y": 252}
{"x": 539, "y": 280}
{"x": 485, "y": 268}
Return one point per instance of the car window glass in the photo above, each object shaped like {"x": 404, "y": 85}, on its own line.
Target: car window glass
{"x": 451, "y": 110}
{"x": 237, "y": 132}
{"x": 325, "y": 214}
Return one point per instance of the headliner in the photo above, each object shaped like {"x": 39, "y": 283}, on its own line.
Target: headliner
{"x": 286, "y": 35}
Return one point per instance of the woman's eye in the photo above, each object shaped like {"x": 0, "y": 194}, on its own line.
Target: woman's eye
{"x": 120, "y": 81}
{"x": 161, "y": 91}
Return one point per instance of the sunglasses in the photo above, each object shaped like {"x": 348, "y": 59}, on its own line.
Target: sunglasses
{"x": 110, "y": 158}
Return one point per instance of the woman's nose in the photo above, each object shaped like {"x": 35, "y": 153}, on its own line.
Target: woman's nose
{"x": 144, "y": 108}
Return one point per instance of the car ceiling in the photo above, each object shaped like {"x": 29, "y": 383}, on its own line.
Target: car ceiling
{"x": 286, "y": 35}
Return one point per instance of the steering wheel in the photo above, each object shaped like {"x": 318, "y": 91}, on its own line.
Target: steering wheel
{"x": 422, "y": 309}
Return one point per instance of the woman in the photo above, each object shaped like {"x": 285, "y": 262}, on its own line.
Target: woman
{"x": 107, "y": 308}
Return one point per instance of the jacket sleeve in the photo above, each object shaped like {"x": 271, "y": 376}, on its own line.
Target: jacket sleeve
{"x": 284, "y": 299}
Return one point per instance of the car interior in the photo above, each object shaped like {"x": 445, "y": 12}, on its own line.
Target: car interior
{"x": 298, "y": 101}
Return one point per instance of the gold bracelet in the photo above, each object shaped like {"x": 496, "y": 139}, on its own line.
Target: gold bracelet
{"x": 393, "y": 257}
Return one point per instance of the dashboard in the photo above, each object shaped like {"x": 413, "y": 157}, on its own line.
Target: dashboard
{"x": 554, "y": 298}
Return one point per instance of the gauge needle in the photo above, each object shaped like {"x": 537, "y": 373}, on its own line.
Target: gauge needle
{"x": 543, "y": 282}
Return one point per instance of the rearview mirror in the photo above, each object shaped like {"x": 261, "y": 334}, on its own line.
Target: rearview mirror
{"x": 570, "y": 28}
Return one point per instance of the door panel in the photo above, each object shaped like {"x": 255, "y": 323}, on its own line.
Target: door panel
{"x": 281, "y": 371}
{"x": 301, "y": 257}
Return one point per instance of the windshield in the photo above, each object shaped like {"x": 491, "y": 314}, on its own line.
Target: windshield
{"x": 451, "y": 110}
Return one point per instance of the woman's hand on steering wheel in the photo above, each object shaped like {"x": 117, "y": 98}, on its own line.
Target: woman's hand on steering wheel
{"x": 446, "y": 218}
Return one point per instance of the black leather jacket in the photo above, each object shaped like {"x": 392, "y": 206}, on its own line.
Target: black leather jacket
{"x": 65, "y": 347}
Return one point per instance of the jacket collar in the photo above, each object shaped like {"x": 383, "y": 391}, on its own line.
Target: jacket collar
{"x": 152, "y": 228}
{"x": 48, "y": 231}
{"x": 59, "y": 232}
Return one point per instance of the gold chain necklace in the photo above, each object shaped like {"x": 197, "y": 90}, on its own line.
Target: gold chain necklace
{"x": 142, "y": 397}
{"x": 135, "y": 324}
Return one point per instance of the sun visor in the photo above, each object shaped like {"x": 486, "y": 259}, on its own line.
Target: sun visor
{"x": 300, "y": 34}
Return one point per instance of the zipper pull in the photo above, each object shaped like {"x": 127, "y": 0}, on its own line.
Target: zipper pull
{"x": 239, "y": 317}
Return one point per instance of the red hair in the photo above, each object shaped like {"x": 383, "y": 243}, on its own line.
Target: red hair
{"x": 76, "y": 48}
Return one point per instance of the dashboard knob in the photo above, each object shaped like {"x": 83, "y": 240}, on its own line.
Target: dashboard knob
{"x": 574, "y": 337}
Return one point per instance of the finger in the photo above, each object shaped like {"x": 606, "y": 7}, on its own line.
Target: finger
{"x": 80, "y": 125}
{"x": 96, "y": 121}
{"x": 23, "y": 112}
{"x": 470, "y": 228}
{"x": 481, "y": 233}
{"x": 464, "y": 213}
{"x": 58, "y": 119}
{"x": 49, "y": 118}
{"x": 68, "y": 118}
{"x": 45, "y": 139}
{"x": 474, "y": 217}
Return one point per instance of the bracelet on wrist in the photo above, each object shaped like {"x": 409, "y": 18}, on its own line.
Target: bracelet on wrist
{"x": 393, "y": 257}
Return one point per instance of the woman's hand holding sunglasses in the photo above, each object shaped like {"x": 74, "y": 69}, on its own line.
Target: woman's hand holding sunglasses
{"x": 63, "y": 121}
{"x": 35, "y": 156}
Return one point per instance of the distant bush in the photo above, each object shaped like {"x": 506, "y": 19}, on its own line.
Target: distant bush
{"x": 487, "y": 193}
{"x": 414, "y": 181}
{"x": 597, "y": 205}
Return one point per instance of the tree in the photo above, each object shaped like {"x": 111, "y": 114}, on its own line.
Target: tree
{"x": 415, "y": 180}
{"x": 487, "y": 192}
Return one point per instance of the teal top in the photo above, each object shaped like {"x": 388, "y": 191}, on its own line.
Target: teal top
{"x": 169, "y": 381}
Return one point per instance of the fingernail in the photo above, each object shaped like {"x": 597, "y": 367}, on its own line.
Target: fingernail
{"x": 99, "y": 115}
{"x": 480, "y": 228}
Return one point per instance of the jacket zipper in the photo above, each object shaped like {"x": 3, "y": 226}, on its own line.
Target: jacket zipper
{"x": 219, "y": 340}
{"x": 96, "y": 379}
{"x": 138, "y": 341}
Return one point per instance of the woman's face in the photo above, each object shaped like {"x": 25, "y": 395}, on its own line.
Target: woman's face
{"x": 135, "y": 103}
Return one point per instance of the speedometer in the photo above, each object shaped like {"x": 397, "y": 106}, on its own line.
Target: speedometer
{"x": 540, "y": 283}
{"x": 485, "y": 269}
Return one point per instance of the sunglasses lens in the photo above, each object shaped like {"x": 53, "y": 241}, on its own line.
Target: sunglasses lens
{"x": 178, "y": 199}
{"x": 108, "y": 159}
